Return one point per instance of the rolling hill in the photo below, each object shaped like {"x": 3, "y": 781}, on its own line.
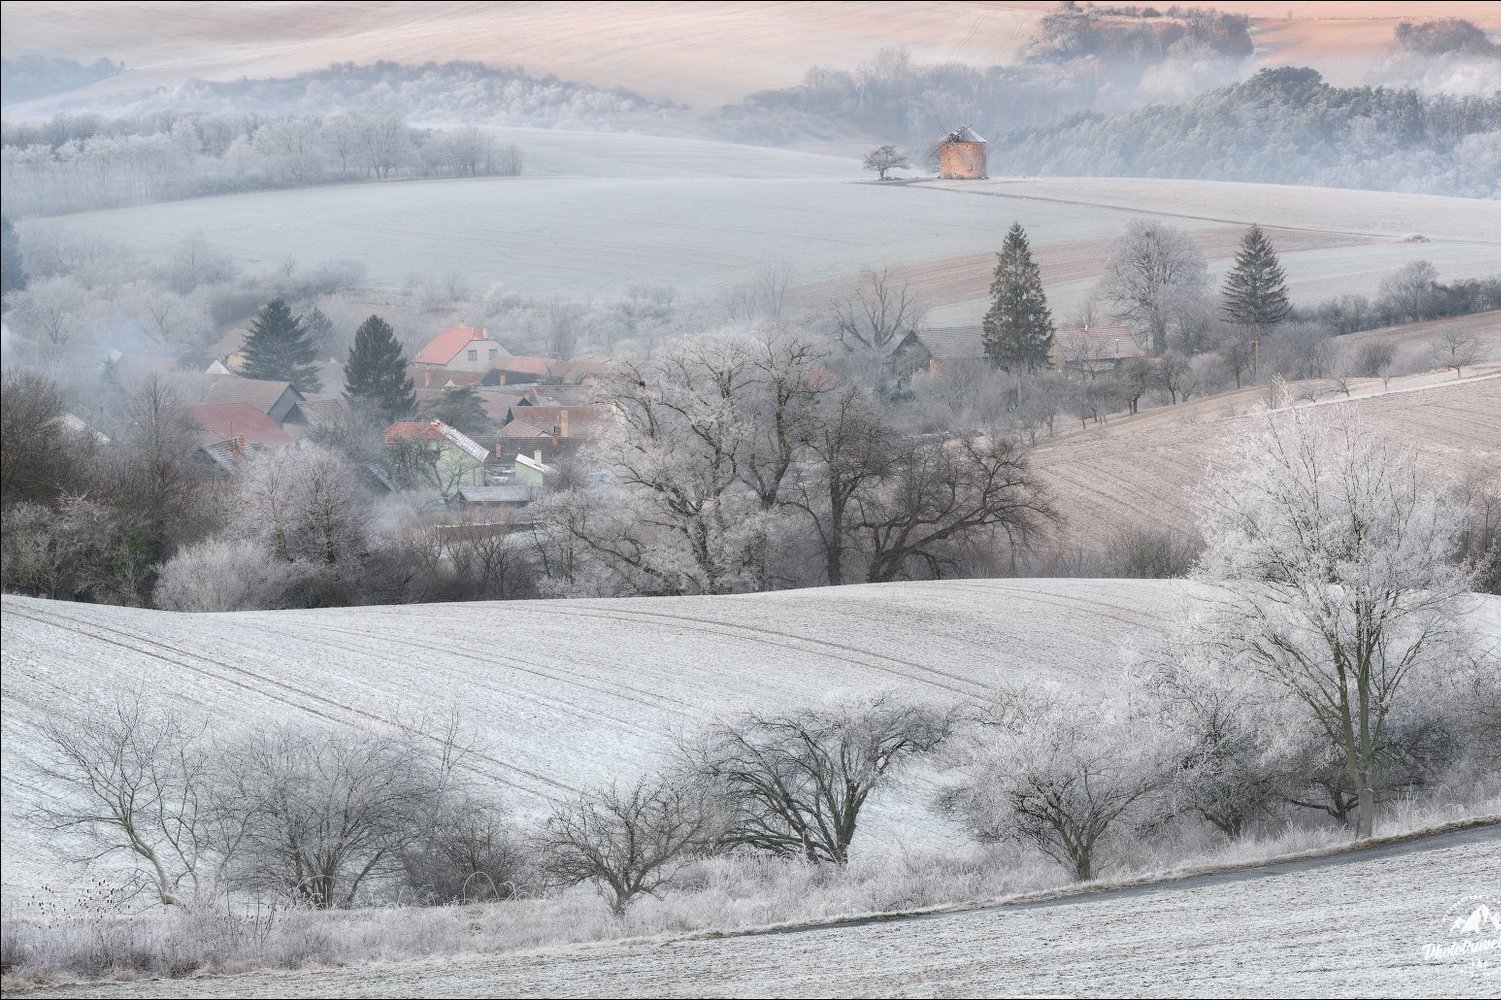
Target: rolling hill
{"x": 596, "y": 213}
{"x": 1141, "y": 471}
{"x": 564, "y": 693}
{"x": 695, "y": 54}
{"x": 567, "y": 693}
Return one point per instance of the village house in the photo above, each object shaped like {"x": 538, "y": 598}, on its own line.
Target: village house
{"x": 279, "y": 401}
{"x": 443, "y": 456}
{"x": 229, "y": 433}
{"x": 461, "y": 349}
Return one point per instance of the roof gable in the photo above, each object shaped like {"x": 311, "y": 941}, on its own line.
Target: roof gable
{"x": 446, "y": 346}
{"x": 228, "y": 421}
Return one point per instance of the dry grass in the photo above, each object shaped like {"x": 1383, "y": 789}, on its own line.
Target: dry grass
{"x": 86, "y": 942}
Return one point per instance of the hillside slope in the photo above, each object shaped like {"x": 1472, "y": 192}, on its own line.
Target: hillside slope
{"x": 598, "y": 213}
{"x": 1354, "y": 925}
{"x": 566, "y": 693}
{"x": 1141, "y": 472}
{"x": 698, "y": 54}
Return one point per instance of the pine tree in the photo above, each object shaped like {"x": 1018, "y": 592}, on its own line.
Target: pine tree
{"x": 280, "y": 349}
{"x": 12, "y": 269}
{"x": 1256, "y": 288}
{"x": 376, "y": 373}
{"x": 1018, "y": 328}
{"x": 461, "y": 409}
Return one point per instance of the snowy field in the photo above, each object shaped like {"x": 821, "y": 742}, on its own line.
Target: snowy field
{"x": 1348, "y": 926}
{"x": 596, "y": 213}
{"x": 565, "y": 693}
{"x": 1141, "y": 472}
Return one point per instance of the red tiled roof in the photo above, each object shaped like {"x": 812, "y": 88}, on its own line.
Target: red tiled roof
{"x": 581, "y": 419}
{"x": 446, "y": 346}
{"x": 239, "y": 420}
{"x": 404, "y": 430}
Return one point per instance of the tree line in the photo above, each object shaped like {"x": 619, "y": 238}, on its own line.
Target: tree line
{"x": 75, "y": 162}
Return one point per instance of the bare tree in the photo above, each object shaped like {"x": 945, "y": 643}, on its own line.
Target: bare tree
{"x": 797, "y": 782}
{"x": 849, "y": 446}
{"x": 1058, "y": 773}
{"x": 874, "y": 317}
{"x": 939, "y": 491}
{"x": 335, "y": 809}
{"x": 884, "y": 158}
{"x": 630, "y": 841}
{"x": 1455, "y": 349}
{"x": 146, "y": 784}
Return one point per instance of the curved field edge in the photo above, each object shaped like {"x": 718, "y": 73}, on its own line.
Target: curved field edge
{"x": 1354, "y": 921}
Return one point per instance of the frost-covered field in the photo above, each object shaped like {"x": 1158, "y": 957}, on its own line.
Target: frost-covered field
{"x": 1140, "y": 472}
{"x": 596, "y": 213}
{"x": 1354, "y": 925}
{"x": 565, "y": 693}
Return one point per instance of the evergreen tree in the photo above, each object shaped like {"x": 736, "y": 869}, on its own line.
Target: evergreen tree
{"x": 12, "y": 271}
{"x": 321, "y": 329}
{"x": 1256, "y": 288}
{"x": 461, "y": 409}
{"x": 1018, "y": 328}
{"x": 376, "y": 373}
{"x": 279, "y": 348}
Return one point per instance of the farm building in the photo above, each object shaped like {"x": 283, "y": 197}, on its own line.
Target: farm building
{"x": 961, "y": 155}
{"x": 461, "y": 349}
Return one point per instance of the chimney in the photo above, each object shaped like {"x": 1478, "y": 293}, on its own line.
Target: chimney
{"x": 563, "y": 422}
{"x": 537, "y": 456}
{"x": 555, "y": 438}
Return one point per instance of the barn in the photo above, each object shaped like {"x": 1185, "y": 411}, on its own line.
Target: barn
{"x": 961, "y": 155}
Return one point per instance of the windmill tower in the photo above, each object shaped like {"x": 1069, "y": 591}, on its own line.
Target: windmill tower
{"x": 961, "y": 155}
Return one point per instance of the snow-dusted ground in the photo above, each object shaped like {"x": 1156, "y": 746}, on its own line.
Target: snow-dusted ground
{"x": 565, "y": 693}
{"x": 1354, "y": 925}
{"x": 596, "y": 213}
{"x": 1141, "y": 472}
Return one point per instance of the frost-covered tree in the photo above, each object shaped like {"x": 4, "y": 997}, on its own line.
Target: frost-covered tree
{"x": 376, "y": 374}
{"x": 303, "y": 505}
{"x": 1333, "y": 562}
{"x": 280, "y": 349}
{"x": 1062, "y": 774}
{"x": 1018, "y": 327}
{"x": 224, "y": 574}
{"x": 703, "y": 441}
{"x": 884, "y": 158}
{"x": 1153, "y": 272}
{"x": 798, "y": 781}
{"x": 630, "y": 841}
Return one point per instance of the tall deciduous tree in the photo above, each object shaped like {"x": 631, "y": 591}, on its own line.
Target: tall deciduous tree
{"x": 1255, "y": 291}
{"x": 1152, "y": 274}
{"x": 376, "y": 373}
{"x": 280, "y": 349}
{"x": 1333, "y": 555}
{"x": 1018, "y": 328}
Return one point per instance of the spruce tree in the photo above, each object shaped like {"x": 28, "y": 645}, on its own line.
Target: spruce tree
{"x": 1256, "y": 287}
{"x": 280, "y": 349}
{"x": 376, "y": 372}
{"x": 1018, "y": 328}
